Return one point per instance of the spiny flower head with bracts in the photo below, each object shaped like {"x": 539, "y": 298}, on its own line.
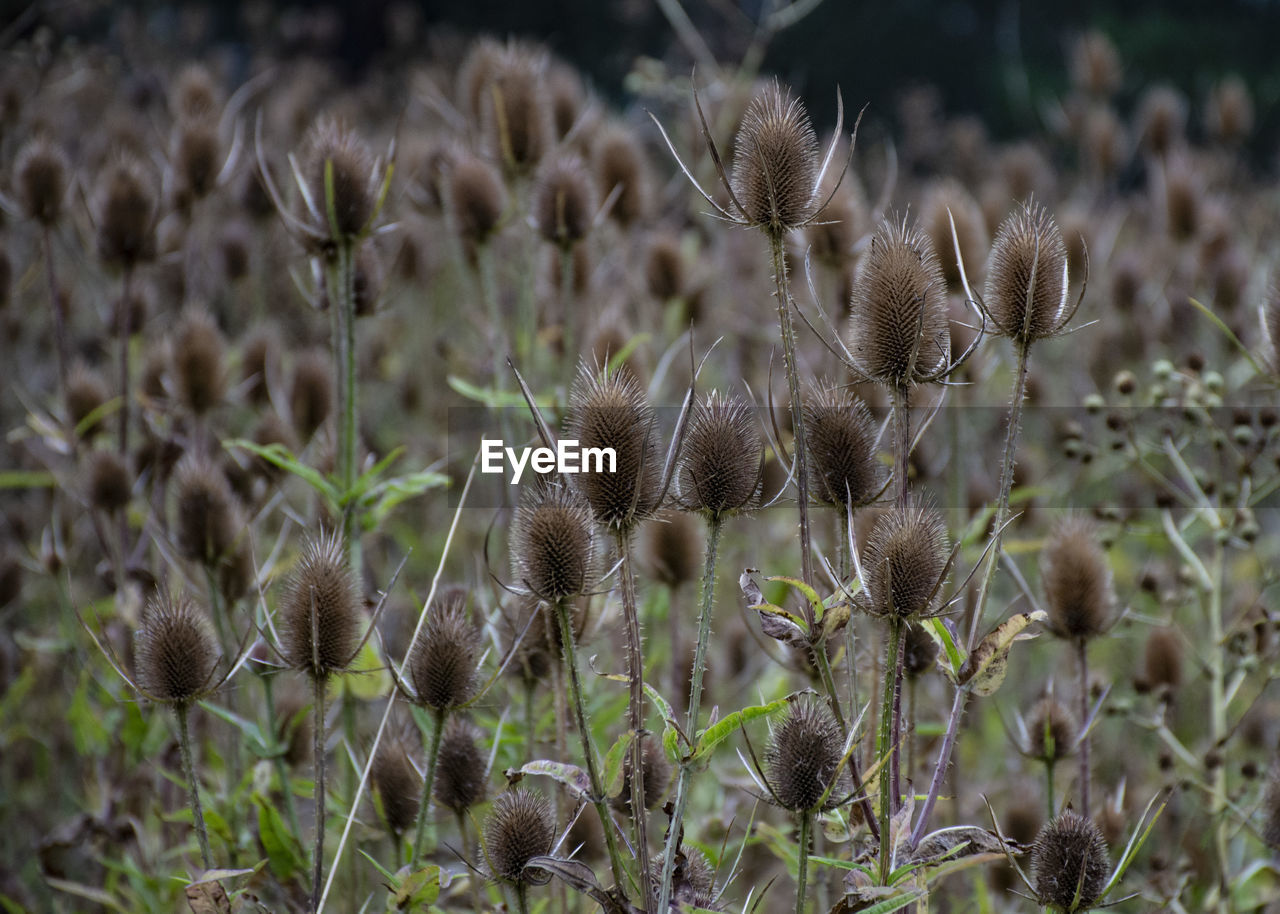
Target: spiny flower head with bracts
{"x": 442, "y": 664}
{"x": 777, "y": 174}
{"x": 905, "y": 563}
{"x": 1052, "y": 730}
{"x": 175, "y": 653}
{"x": 843, "y": 469}
{"x": 804, "y": 757}
{"x": 898, "y": 330}
{"x": 398, "y": 785}
{"x": 1078, "y": 587}
{"x": 41, "y": 176}
{"x": 553, "y": 542}
{"x": 519, "y": 827}
{"x": 460, "y": 768}
{"x": 722, "y": 459}
{"x": 692, "y": 881}
{"x": 1069, "y": 863}
{"x": 608, "y": 409}
{"x": 320, "y": 610}
{"x": 1027, "y": 277}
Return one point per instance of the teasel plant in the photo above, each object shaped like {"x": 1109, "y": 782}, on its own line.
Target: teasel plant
{"x": 775, "y": 186}
{"x": 518, "y": 832}
{"x": 1048, "y": 734}
{"x": 344, "y": 188}
{"x": 176, "y": 660}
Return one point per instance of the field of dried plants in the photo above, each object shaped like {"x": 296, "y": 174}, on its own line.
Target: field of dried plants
{"x": 935, "y": 570}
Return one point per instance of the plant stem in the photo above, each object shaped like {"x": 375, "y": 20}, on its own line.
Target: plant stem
{"x": 1048, "y": 781}
{"x": 1218, "y": 724}
{"x": 884, "y": 745}
{"x": 340, "y": 277}
{"x": 61, "y": 344}
{"x": 193, "y": 788}
{"x": 1082, "y": 656}
{"x": 940, "y": 770}
{"x": 588, "y": 750}
{"x": 797, "y": 414}
{"x": 122, "y": 334}
{"x": 901, "y": 443}
{"x": 802, "y": 871}
{"x": 424, "y": 806}
{"x": 319, "y": 683}
{"x": 522, "y": 900}
{"x": 635, "y": 711}
{"x": 472, "y": 879}
{"x": 568, "y": 319}
{"x": 706, "y": 603}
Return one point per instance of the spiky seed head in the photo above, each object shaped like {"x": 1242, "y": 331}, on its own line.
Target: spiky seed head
{"x": 1069, "y": 863}
{"x": 125, "y": 215}
{"x": 1095, "y": 65}
{"x": 517, "y": 117}
{"x": 108, "y": 481}
{"x": 196, "y": 95}
{"x": 196, "y": 158}
{"x": 903, "y": 562}
{"x": 460, "y": 766}
{"x": 919, "y": 651}
{"x": 656, "y": 772}
{"x": 41, "y": 173}
{"x": 398, "y": 784}
{"x": 898, "y": 318}
{"x": 617, "y": 158}
{"x": 775, "y": 162}
{"x": 442, "y": 668}
{"x": 1026, "y": 293}
{"x": 519, "y": 827}
{"x": 1183, "y": 200}
{"x": 235, "y": 249}
{"x": 553, "y": 542}
{"x": 475, "y": 73}
{"x": 719, "y": 471}
{"x": 86, "y": 392}
{"x": 355, "y": 178}
{"x": 843, "y": 469}
{"x": 1162, "y": 120}
{"x": 803, "y": 755}
{"x": 671, "y": 548}
{"x": 692, "y": 881}
{"x": 664, "y": 268}
{"x": 566, "y": 202}
{"x": 198, "y": 366}
{"x": 311, "y": 392}
{"x": 566, "y": 97}
{"x": 948, "y": 200}
{"x": 320, "y": 609}
{"x": 174, "y": 650}
{"x": 1078, "y": 587}
{"x": 1229, "y": 116}
{"x": 1051, "y": 730}
{"x": 1271, "y": 809}
{"x": 608, "y": 409}
{"x": 206, "y": 520}
{"x": 478, "y": 199}
{"x": 1162, "y": 660}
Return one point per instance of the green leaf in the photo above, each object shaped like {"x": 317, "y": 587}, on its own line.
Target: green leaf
{"x": 613, "y": 764}
{"x": 715, "y": 735}
{"x": 384, "y": 497}
{"x": 1226, "y": 331}
{"x": 617, "y": 358}
{"x": 939, "y": 632}
{"x": 497, "y": 399}
{"x": 421, "y": 887}
{"x": 570, "y": 776}
{"x": 386, "y": 873}
{"x": 815, "y": 601}
{"x": 284, "y": 853}
{"x": 279, "y": 455}
{"x": 367, "y": 678}
{"x": 1136, "y": 841}
{"x": 369, "y": 477}
{"x": 670, "y": 735}
{"x": 27, "y": 479}
{"x": 984, "y": 671}
{"x": 258, "y": 741}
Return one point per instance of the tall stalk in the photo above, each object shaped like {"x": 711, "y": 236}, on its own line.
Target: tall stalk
{"x": 193, "y": 788}
{"x": 884, "y": 744}
{"x": 588, "y": 748}
{"x": 797, "y": 415}
{"x": 635, "y": 710}
{"x": 433, "y": 753}
{"x": 802, "y": 870}
{"x": 61, "y": 344}
{"x": 340, "y": 281}
{"x": 1082, "y": 657}
{"x": 319, "y": 684}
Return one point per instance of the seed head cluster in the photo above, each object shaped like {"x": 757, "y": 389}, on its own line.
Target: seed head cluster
{"x": 903, "y": 563}
{"x": 844, "y": 469}
{"x": 519, "y": 828}
{"x": 320, "y": 610}
{"x": 721, "y": 462}
{"x": 442, "y": 667}
{"x": 174, "y": 649}
{"x": 1069, "y": 863}
{"x": 804, "y": 755}
{"x": 553, "y": 543}
{"x": 1078, "y": 587}
{"x": 775, "y": 163}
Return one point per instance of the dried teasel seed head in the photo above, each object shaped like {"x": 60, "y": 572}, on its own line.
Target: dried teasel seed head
{"x": 86, "y": 393}
{"x": 331, "y": 144}
{"x": 397, "y": 783}
{"x": 40, "y": 176}
{"x": 609, "y": 410}
{"x": 1051, "y": 730}
{"x": 442, "y": 665}
{"x": 566, "y": 97}
{"x": 692, "y": 881}
{"x": 174, "y": 651}
{"x": 517, "y": 117}
{"x": 196, "y": 157}
{"x": 206, "y": 520}
{"x": 198, "y": 362}
{"x": 1069, "y": 863}
{"x": 311, "y": 392}
{"x": 196, "y": 95}
{"x": 664, "y": 268}
{"x": 656, "y": 772}
{"x": 475, "y": 73}
{"x": 478, "y": 199}
{"x": 108, "y": 482}
{"x": 460, "y": 766}
{"x": 125, "y": 215}
{"x": 565, "y": 202}
{"x": 1229, "y": 115}
{"x": 671, "y": 548}
{"x": 898, "y": 319}
{"x": 1162, "y": 660}
{"x": 320, "y": 609}
{"x": 1162, "y": 120}
{"x": 617, "y": 157}
{"x": 1271, "y": 809}
{"x": 1076, "y": 576}
{"x": 919, "y": 651}
{"x": 1183, "y": 200}
{"x": 519, "y": 827}
{"x": 775, "y": 162}
{"x": 843, "y": 469}
{"x": 719, "y": 470}
{"x": 903, "y": 562}
{"x": 1026, "y": 291}
{"x": 948, "y": 200}
{"x": 1095, "y": 65}
{"x": 803, "y": 755}
{"x": 553, "y": 543}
